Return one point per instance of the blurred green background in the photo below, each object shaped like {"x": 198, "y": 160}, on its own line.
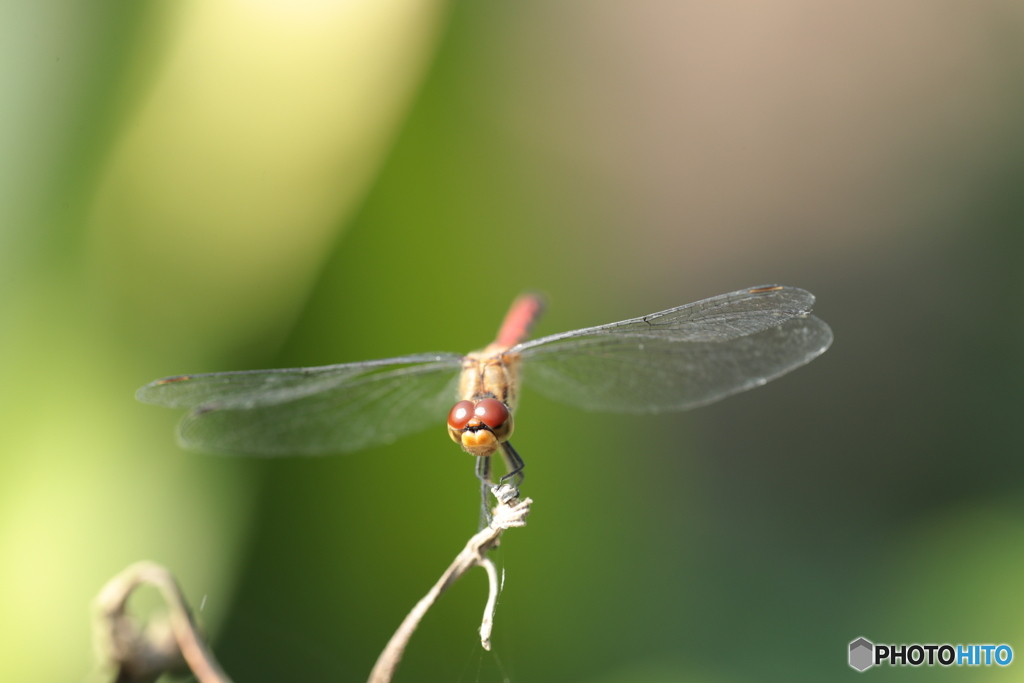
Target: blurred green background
{"x": 209, "y": 185}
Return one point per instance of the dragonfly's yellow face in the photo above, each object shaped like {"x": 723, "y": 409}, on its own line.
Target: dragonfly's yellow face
{"x": 479, "y": 427}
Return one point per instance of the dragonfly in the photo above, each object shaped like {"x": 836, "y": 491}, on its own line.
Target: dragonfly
{"x": 677, "y": 359}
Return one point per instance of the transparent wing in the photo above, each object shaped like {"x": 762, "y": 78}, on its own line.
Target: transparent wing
{"x": 680, "y": 358}
{"x": 310, "y": 411}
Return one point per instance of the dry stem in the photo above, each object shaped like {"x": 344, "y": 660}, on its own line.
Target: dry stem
{"x": 510, "y": 512}
{"x": 143, "y": 655}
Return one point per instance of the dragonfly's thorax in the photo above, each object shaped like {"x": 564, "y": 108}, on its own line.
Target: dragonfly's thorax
{"x": 491, "y": 373}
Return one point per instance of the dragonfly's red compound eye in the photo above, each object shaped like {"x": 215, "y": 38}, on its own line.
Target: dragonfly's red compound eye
{"x": 460, "y": 415}
{"x": 491, "y": 412}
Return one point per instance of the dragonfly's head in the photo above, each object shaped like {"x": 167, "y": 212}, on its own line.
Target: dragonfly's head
{"x": 479, "y": 426}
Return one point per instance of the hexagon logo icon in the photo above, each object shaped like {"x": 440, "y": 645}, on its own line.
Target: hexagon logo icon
{"x": 862, "y": 654}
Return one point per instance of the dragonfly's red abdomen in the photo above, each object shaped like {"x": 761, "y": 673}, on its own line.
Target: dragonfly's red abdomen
{"x": 520, "y": 318}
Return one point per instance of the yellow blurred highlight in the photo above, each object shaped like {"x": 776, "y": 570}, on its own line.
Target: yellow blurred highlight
{"x": 88, "y": 493}
{"x": 260, "y": 130}
{"x": 260, "y": 134}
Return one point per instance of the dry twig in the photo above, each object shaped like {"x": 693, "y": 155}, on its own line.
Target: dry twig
{"x": 143, "y": 654}
{"x": 510, "y": 512}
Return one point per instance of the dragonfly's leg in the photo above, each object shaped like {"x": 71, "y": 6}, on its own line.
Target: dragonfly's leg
{"x": 514, "y": 463}
{"x": 483, "y": 469}
{"x": 483, "y": 473}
